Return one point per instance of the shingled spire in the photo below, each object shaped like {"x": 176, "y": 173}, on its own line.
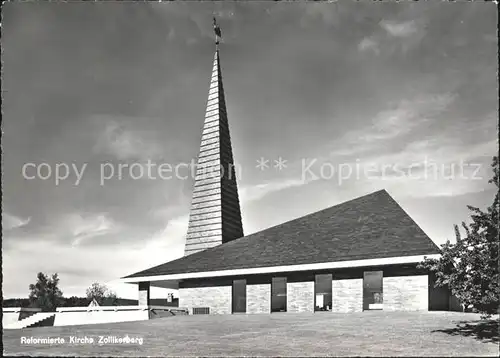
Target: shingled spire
{"x": 215, "y": 216}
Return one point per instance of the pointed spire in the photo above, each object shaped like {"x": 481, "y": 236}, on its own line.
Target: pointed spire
{"x": 215, "y": 216}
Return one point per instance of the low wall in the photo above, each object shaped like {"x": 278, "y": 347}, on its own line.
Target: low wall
{"x": 71, "y": 316}
{"x": 9, "y": 317}
{"x": 14, "y": 314}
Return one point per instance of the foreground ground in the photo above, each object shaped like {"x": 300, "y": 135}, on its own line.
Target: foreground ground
{"x": 321, "y": 334}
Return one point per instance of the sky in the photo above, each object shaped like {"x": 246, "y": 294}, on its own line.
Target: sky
{"x": 322, "y": 87}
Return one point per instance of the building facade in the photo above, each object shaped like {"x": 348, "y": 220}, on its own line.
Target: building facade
{"x": 390, "y": 287}
{"x": 359, "y": 255}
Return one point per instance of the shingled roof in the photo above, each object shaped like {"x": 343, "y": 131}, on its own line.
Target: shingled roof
{"x": 369, "y": 227}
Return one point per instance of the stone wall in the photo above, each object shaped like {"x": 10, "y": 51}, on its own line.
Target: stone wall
{"x": 347, "y": 295}
{"x": 218, "y": 298}
{"x": 259, "y": 298}
{"x": 300, "y": 296}
{"x": 406, "y": 293}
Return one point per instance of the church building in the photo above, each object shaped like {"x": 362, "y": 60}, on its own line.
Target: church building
{"x": 356, "y": 256}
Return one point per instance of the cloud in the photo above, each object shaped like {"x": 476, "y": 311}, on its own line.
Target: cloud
{"x": 173, "y": 206}
{"x": 440, "y": 166}
{"x": 401, "y": 29}
{"x": 83, "y": 228}
{"x": 10, "y": 222}
{"x": 426, "y": 184}
{"x": 80, "y": 266}
{"x": 323, "y": 11}
{"x": 406, "y": 115}
{"x": 72, "y": 228}
{"x": 369, "y": 44}
{"x": 256, "y": 192}
{"x": 174, "y": 233}
{"x": 399, "y": 119}
{"x": 171, "y": 34}
{"x": 165, "y": 245}
{"x": 396, "y": 157}
{"x": 127, "y": 143}
{"x": 224, "y": 13}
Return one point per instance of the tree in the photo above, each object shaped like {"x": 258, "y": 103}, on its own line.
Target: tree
{"x": 75, "y": 301}
{"x": 470, "y": 266}
{"x": 111, "y": 299}
{"x": 101, "y": 294}
{"x": 16, "y": 302}
{"x": 45, "y": 293}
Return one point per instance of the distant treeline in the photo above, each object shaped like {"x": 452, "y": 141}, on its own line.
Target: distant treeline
{"x": 84, "y": 301}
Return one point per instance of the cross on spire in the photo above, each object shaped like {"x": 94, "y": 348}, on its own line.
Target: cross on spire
{"x": 217, "y": 31}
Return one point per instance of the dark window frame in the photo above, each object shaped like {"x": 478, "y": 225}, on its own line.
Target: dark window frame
{"x": 327, "y": 293}
{"x": 239, "y": 296}
{"x": 373, "y": 288}
{"x": 279, "y": 294}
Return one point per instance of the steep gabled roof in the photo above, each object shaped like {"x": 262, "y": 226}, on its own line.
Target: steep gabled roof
{"x": 369, "y": 227}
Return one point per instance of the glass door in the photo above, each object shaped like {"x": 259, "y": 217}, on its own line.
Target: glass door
{"x": 323, "y": 292}
{"x": 373, "y": 298}
{"x": 278, "y": 294}
{"x": 239, "y": 296}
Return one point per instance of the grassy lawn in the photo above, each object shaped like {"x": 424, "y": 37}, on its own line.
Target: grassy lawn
{"x": 287, "y": 334}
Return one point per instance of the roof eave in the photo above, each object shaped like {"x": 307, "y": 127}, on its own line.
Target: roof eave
{"x": 287, "y": 268}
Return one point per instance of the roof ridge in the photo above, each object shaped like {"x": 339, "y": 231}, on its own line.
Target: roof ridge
{"x": 359, "y": 198}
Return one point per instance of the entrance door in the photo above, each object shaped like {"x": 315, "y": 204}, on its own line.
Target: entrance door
{"x": 239, "y": 296}
{"x": 372, "y": 290}
{"x": 323, "y": 292}
{"x": 278, "y": 294}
